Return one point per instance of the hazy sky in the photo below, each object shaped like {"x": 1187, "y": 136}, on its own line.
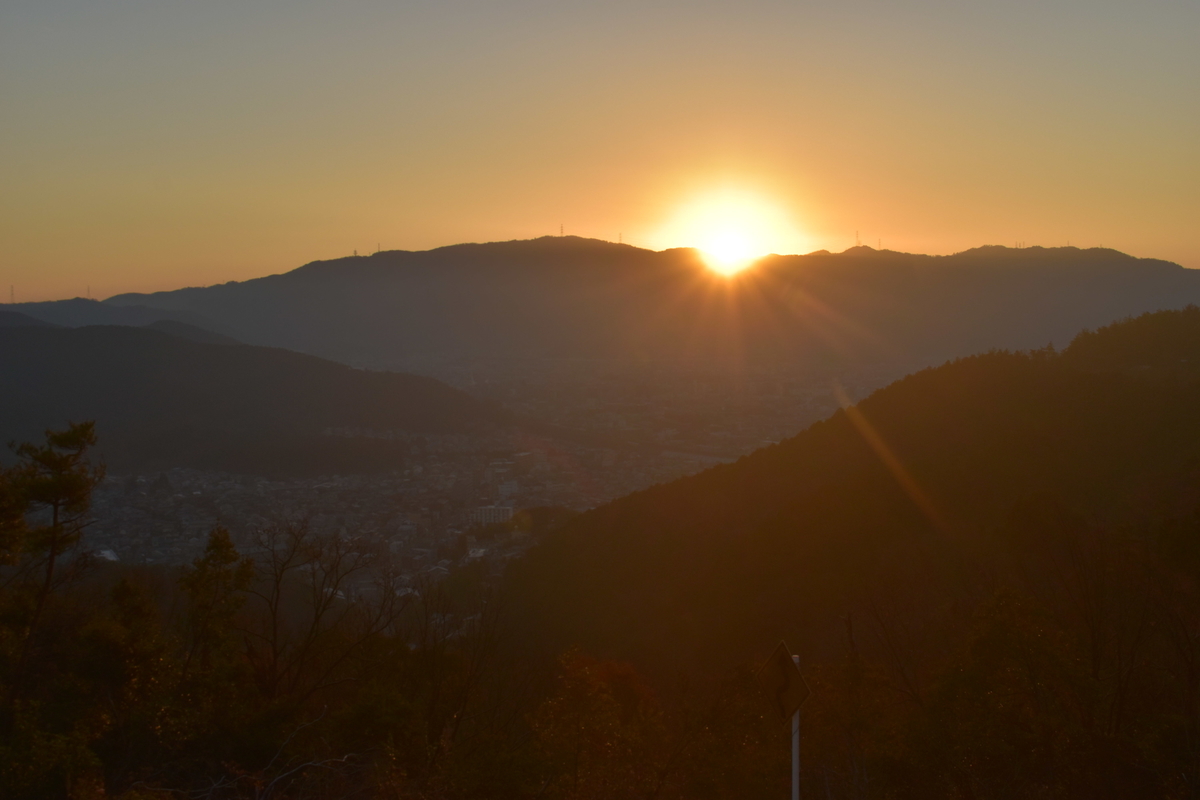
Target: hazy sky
{"x": 150, "y": 144}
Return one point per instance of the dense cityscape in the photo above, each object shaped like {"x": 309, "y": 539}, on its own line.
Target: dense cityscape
{"x": 604, "y": 436}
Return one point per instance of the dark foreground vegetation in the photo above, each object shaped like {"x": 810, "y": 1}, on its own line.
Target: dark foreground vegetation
{"x": 991, "y": 570}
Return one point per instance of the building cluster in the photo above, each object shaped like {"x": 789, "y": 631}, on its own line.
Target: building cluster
{"x": 720, "y": 411}
{"x": 423, "y": 512}
{"x": 600, "y": 433}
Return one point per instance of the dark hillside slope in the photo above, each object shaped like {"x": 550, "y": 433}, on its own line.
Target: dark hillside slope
{"x": 15, "y": 319}
{"x": 565, "y": 297}
{"x": 79, "y": 311}
{"x": 713, "y": 569}
{"x": 189, "y": 332}
{"x": 160, "y": 400}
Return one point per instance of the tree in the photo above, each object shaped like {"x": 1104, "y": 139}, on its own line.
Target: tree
{"x": 52, "y": 485}
{"x": 44, "y": 502}
{"x": 318, "y": 600}
{"x": 215, "y": 586}
{"x": 13, "y": 507}
{"x": 601, "y": 732}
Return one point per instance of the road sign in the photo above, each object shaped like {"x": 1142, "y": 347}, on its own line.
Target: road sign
{"x": 780, "y": 678}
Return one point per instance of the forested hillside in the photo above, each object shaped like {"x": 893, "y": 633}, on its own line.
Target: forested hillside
{"x": 161, "y": 400}
{"x": 1016, "y": 520}
{"x": 716, "y": 565}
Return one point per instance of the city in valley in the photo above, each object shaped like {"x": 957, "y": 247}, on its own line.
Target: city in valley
{"x": 607, "y": 431}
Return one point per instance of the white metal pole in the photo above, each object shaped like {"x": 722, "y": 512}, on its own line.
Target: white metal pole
{"x": 796, "y": 747}
{"x": 796, "y": 756}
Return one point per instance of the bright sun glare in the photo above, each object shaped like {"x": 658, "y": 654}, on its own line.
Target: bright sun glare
{"x": 729, "y": 250}
{"x": 731, "y": 230}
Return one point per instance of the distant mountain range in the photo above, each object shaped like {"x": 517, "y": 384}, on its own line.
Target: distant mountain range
{"x": 15, "y": 319}
{"x": 871, "y": 509}
{"x": 189, "y": 332}
{"x": 566, "y": 297}
{"x": 78, "y": 311}
{"x": 187, "y": 397}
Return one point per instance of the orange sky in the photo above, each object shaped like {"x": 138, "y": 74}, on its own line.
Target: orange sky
{"x": 150, "y": 145}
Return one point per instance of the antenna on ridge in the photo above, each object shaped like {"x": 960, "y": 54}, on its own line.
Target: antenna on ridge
{"x": 12, "y": 295}
{"x": 857, "y": 241}
{"x": 560, "y": 229}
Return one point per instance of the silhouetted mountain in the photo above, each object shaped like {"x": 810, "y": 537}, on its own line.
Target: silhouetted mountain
{"x": 161, "y": 400}
{"x": 910, "y": 495}
{"x": 571, "y": 297}
{"x": 15, "y": 319}
{"x": 190, "y": 332}
{"x": 79, "y": 311}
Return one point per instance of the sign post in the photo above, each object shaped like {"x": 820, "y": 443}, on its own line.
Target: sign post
{"x": 796, "y": 742}
{"x": 780, "y": 678}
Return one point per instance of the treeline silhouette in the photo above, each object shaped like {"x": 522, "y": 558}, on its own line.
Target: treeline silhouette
{"x": 990, "y": 569}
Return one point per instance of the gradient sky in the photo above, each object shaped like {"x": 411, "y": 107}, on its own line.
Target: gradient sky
{"x": 156, "y": 144}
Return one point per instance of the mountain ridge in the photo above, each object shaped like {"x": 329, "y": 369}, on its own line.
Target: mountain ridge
{"x": 554, "y": 298}
{"x": 80, "y": 311}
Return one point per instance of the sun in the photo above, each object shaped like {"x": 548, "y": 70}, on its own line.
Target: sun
{"x": 731, "y": 228}
{"x": 729, "y": 250}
